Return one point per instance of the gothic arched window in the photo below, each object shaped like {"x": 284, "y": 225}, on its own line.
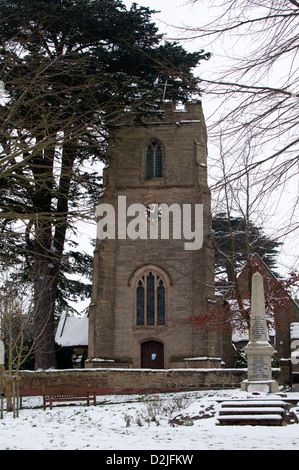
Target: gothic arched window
{"x": 153, "y": 160}
{"x": 150, "y": 300}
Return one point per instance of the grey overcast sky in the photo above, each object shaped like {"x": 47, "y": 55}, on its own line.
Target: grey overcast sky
{"x": 171, "y": 18}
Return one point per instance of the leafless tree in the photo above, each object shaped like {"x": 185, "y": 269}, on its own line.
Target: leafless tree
{"x": 15, "y": 326}
{"x": 257, "y": 96}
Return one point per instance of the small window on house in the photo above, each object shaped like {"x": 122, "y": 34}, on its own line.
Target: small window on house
{"x": 154, "y": 157}
{"x": 150, "y": 300}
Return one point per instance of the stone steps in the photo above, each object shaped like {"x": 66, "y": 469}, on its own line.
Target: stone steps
{"x": 261, "y": 412}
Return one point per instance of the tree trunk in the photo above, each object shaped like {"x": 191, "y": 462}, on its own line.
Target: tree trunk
{"x": 49, "y": 244}
{"x": 44, "y": 348}
{"x": 45, "y": 285}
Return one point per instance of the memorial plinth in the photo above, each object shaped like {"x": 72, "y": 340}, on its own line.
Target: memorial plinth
{"x": 258, "y": 350}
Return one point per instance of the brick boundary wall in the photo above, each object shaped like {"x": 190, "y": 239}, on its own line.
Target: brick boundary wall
{"x": 129, "y": 381}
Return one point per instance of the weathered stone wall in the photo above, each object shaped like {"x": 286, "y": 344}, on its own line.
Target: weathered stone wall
{"x": 114, "y": 333}
{"x": 127, "y": 381}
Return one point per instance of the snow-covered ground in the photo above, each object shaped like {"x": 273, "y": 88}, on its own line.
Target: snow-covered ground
{"x": 173, "y": 421}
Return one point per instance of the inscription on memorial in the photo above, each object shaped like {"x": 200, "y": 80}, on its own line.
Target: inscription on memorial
{"x": 258, "y": 368}
{"x": 258, "y": 331}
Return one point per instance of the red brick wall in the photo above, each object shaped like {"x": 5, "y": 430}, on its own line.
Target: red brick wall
{"x": 126, "y": 381}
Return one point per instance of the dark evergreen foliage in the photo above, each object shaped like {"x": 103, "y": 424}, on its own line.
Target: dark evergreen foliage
{"x": 71, "y": 70}
{"x": 235, "y": 240}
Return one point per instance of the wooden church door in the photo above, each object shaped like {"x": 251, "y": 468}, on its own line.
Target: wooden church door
{"x": 152, "y": 355}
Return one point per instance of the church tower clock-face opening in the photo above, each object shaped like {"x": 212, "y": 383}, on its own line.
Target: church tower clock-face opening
{"x": 146, "y": 287}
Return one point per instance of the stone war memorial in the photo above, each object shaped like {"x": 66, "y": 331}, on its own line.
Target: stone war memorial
{"x": 258, "y": 350}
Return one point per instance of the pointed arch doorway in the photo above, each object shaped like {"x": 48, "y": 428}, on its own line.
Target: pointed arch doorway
{"x": 152, "y": 355}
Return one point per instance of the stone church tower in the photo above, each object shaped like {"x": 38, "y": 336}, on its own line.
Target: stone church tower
{"x": 149, "y": 278}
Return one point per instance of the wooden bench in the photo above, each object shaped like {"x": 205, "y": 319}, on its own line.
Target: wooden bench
{"x": 68, "y": 395}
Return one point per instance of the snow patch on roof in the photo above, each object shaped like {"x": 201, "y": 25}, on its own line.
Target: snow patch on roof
{"x": 72, "y": 331}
